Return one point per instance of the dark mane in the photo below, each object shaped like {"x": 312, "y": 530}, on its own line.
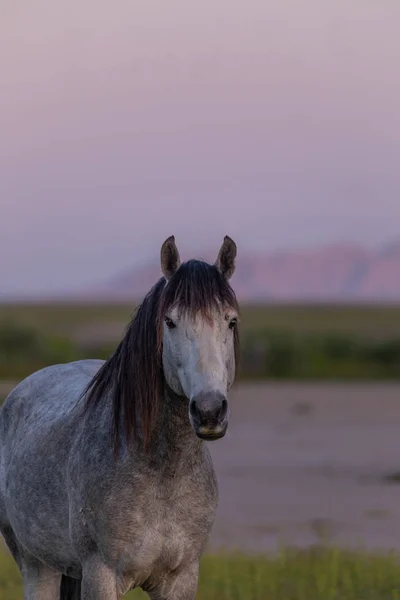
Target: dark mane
{"x": 132, "y": 378}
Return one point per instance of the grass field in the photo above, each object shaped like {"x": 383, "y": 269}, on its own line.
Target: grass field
{"x": 278, "y": 342}
{"x": 317, "y": 574}
{"x": 364, "y": 320}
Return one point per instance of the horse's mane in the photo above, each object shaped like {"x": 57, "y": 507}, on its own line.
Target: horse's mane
{"x": 132, "y": 378}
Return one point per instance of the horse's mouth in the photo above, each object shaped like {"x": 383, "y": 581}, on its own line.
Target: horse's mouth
{"x": 211, "y": 434}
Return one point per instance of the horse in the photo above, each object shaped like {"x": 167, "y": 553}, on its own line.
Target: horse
{"x": 106, "y": 480}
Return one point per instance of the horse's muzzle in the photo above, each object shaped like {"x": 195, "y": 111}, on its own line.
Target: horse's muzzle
{"x": 209, "y": 415}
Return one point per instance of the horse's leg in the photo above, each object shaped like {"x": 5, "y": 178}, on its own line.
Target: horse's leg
{"x": 40, "y": 582}
{"x": 11, "y": 543}
{"x": 181, "y": 586}
{"x": 99, "y": 582}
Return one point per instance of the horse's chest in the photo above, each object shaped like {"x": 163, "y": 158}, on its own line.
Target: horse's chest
{"x": 166, "y": 529}
{"x": 165, "y": 544}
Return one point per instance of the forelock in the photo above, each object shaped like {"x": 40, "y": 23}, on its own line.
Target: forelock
{"x": 197, "y": 288}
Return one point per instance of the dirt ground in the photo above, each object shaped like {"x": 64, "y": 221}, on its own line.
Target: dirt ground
{"x": 305, "y": 463}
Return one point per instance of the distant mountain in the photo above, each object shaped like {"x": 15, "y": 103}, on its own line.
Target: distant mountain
{"x": 337, "y": 273}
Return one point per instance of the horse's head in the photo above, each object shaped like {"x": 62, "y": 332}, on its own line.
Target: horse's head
{"x": 199, "y": 316}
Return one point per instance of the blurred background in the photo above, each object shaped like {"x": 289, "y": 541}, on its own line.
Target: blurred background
{"x": 275, "y": 122}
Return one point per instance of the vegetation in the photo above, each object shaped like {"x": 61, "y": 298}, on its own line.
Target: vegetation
{"x": 316, "y": 574}
{"x": 286, "y": 342}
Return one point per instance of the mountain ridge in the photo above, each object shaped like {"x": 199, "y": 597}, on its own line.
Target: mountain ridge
{"x": 328, "y": 273}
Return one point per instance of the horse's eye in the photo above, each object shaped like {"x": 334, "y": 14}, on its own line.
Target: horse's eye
{"x": 169, "y": 323}
{"x": 232, "y": 323}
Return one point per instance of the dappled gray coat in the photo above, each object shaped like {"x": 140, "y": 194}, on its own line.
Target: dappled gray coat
{"x": 105, "y": 481}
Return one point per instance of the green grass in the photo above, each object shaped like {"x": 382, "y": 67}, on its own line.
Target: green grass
{"x": 298, "y": 342}
{"x": 365, "y": 320}
{"x": 316, "y": 574}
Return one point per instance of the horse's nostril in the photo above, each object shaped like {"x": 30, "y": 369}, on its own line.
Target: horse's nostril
{"x": 193, "y": 407}
{"x": 224, "y": 408}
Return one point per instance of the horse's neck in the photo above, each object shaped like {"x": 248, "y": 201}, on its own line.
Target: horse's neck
{"x": 173, "y": 438}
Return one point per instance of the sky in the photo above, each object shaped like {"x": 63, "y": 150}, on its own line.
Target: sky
{"x": 275, "y": 122}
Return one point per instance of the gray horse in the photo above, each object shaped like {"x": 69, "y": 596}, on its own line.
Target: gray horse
{"x": 105, "y": 481}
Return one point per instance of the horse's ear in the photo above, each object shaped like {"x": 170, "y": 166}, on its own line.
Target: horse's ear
{"x": 170, "y": 259}
{"x": 226, "y": 257}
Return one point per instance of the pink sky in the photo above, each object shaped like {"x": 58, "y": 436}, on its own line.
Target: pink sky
{"x": 123, "y": 122}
